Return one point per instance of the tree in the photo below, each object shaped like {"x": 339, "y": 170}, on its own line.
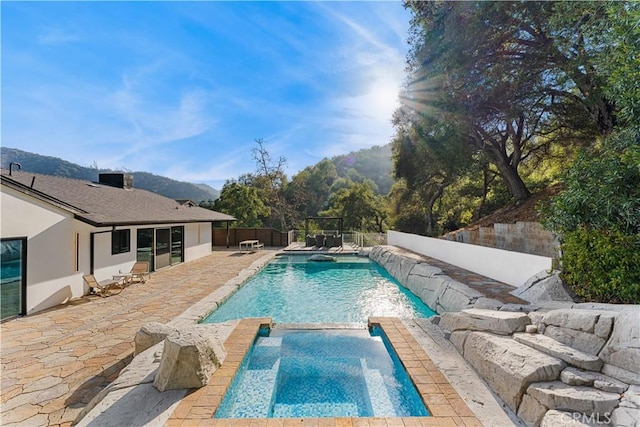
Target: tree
{"x": 511, "y": 77}
{"x": 360, "y": 207}
{"x": 243, "y": 203}
{"x": 429, "y": 156}
{"x": 309, "y": 190}
{"x": 271, "y": 181}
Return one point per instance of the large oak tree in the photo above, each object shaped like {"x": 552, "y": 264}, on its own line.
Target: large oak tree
{"x": 510, "y": 77}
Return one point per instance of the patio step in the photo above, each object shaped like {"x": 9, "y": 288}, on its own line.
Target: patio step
{"x": 315, "y": 410}
{"x": 378, "y": 395}
{"x": 254, "y": 395}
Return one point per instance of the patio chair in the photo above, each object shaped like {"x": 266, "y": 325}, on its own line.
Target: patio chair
{"x": 139, "y": 270}
{"x": 328, "y": 241}
{"x": 104, "y": 288}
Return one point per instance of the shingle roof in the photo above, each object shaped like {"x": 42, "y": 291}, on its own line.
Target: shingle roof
{"x": 103, "y": 205}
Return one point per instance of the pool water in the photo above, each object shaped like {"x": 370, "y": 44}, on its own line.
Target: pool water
{"x": 291, "y": 290}
{"x": 321, "y": 373}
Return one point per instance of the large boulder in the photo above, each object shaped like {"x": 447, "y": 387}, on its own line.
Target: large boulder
{"x": 150, "y": 335}
{"x": 508, "y": 366}
{"x": 456, "y": 297}
{"x": 497, "y": 322}
{"x": 573, "y": 376}
{"x": 580, "y": 319}
{"x": 189, "y": 358}
{"x": 623, "y": 348}
{"x": 554, "y": 418}
{"x": 584, "y": 330}
{"x": 544, "y": 286}
{"x": 556, "y": 349}
{"x": 585, "y": 400}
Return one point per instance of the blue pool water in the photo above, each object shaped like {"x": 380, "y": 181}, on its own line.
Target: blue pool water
{"x": 321, "y": 373}
{"x": 291, "y": 290}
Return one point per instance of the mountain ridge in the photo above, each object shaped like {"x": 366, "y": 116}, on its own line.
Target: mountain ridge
{"x": 49, "y": 165}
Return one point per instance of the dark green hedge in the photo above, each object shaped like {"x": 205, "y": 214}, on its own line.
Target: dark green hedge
{"x": 598, "y": 219}
{"x": 602, "y": 265}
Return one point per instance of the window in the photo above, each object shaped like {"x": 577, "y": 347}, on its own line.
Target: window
{"x": 13, "y": 280}
{"x": 120, "y": 241}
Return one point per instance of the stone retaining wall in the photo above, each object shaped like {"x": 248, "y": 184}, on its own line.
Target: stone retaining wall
{"x": 437, "y": 290}
{"x": 525, "y": 237}
{"x": 557, "y": 367}
{"x": 553, "y": 363}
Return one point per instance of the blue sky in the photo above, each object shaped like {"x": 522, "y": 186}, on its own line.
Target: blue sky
{"x": 182, "y": 89}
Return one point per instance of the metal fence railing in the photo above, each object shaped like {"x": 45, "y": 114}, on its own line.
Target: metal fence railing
{"x": 355, "y": 239}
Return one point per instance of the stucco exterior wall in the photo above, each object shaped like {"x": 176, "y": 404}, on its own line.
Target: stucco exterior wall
{"x": 59, "y": 248}
{"x": 52, "y": 278}
{"x": 197, "y": 241}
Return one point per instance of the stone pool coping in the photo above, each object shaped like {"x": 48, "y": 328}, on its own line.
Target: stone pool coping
{"x": 204, "y": 307}
{"x": 443, "y": 402}
{"x": 132, "y": 397}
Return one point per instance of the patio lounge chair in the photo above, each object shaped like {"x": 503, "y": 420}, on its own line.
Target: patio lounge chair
{"x": 139, "y": 270}
{"x": 104, "y": 288}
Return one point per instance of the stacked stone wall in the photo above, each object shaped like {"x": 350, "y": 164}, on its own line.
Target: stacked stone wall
{"x": 525, "y": 237}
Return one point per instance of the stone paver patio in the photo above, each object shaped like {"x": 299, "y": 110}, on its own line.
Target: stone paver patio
{"x": 54, "y": 362}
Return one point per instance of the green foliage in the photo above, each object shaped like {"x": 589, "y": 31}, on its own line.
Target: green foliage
{"x": 612, "y": 33}
{"x": 360, "y": 207}
{"x": 242, "y": 202}
{"x": 372, "y": 163}
{"x": 602, "y": 190}
{"x": 309, "y": 190}
{"x": 602, "y": 265}
{"x": 598, "y": 216}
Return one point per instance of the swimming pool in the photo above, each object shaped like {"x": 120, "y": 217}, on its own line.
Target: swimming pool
{"x": 292, "y": 290}
{"x": 321, "y": 373}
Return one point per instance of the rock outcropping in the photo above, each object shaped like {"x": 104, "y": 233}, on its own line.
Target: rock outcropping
{"x": 572, "y": 367}
{"x": 437, "y": 290}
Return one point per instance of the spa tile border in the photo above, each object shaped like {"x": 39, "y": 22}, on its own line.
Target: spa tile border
{"x": 445, "y": 405}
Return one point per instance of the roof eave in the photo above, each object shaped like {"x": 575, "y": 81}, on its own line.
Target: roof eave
{"x": 149, "y": 222}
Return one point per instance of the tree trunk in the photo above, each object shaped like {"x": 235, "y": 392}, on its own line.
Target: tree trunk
{"x": 431, "y": 201}
{"x": 513, "y": 181}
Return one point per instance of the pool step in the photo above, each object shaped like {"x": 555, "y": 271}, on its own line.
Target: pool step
{"x": 254, "y": 395}
{"x": 378, "y": 395}
{"x": 315, "y": 410}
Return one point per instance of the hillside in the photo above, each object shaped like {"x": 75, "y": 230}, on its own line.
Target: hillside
{"x": 372, "y": 163}
{"x": 512, "y": 213}
{"x": 48, "y": 165}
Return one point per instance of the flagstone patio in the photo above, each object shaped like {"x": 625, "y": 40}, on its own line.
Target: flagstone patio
{"x": 54, "y": 362}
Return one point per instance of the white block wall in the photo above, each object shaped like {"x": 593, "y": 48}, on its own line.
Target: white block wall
{"x": 512, "y": 268}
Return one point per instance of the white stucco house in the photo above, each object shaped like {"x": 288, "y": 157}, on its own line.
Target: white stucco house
{"x": 55, "y": 229}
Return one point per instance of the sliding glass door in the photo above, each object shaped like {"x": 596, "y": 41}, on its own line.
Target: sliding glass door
{"x": 144, "y": 250}
{"x": 177, "y": 245}
{"x": 13, "y": 277}
{"x": 163, "y": 247}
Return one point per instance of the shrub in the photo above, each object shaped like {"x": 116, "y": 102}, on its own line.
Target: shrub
{"x": 598, "y": 219}
{"x": 602, "y": 265}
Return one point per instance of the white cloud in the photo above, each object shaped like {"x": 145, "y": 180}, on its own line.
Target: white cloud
{"x": 57, "y": 36}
